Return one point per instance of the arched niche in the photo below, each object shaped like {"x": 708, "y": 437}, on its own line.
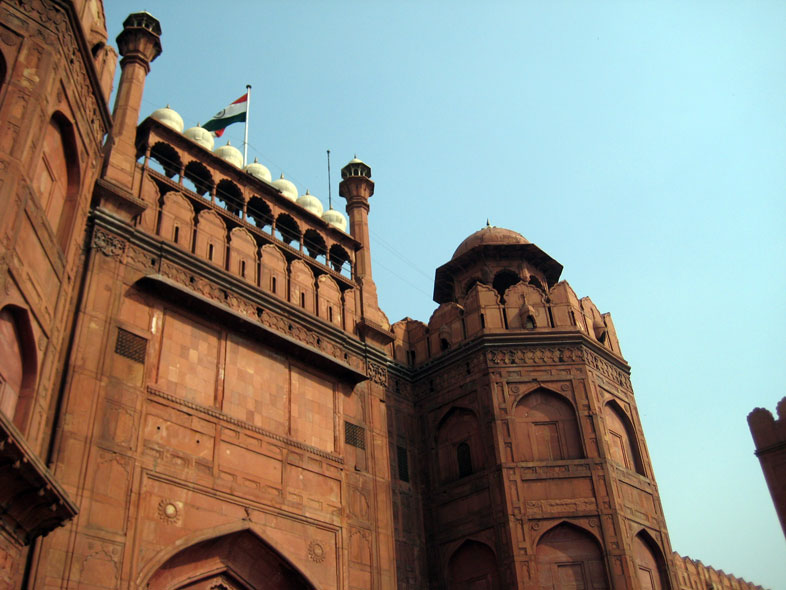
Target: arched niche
{"x": 211, "y": 237}
{"x": 243, "y": 251}
{"x": 177, "y": 220}
{"x": 459, "y": 449}
{"x": 650, "y": 565}
{"x": 197, "y": 177}
{"x": 622, "y": 438}
{"x": 235, "y": 561}
{"x": 230, "y": 197}
{"x": 546, "y": 428}
{"x": 473, "y": 566}
{"x": 18, "y": 365}
{"x": 273, "y": 271}
{"x": 568, "y": 556}
{"x": 302, "y": 289}
{"x": 56, "y": 181}
{"x": 329, "y": 300}
{"x": 167, "y": 158}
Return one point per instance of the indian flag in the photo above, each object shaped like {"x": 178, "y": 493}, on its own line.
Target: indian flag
{"x": 234, "y": 113}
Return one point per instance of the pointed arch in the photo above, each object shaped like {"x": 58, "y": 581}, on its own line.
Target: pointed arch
{"x": 177, "y": 220}
{"x": 211, "y": 236}
{"x": 623, "y": 445}
{"x": 18, "y": 365}
{"x": 315, "y": 245}
{"x": 459, "y": 445}
{"x": 546, "y": 427}
{"x": 258, "y": 213}
{"x": 340, "y": 260}
{"x": 569, "y": 556}
{"x": 243, "y": 254}
{"x": 57, "y": 176}
{"x": 473, "y": 565}
{"x": 273, "y": 271}
{"x": 287, "y": 230}
{"x": 504, "y": 279}
{"x": 241, "y": 557}
{"x": 650, "y": 564}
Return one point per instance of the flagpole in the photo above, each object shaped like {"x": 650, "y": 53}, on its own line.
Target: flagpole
{"x": 248, "y": 116}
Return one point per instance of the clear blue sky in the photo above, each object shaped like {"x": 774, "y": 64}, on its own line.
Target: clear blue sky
{"x": 641, "y": 144}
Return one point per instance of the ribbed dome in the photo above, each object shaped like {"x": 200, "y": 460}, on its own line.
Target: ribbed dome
{"x": 335, "y": 219}
{"x": 287, "y": 188}
{"x": 310, "y": 203}
{"x": 489, "y": 235}
{"x": 257, "y": 170}
{"x": 201, "y": 136}
{"x": 231, "y": 154}
{"x": 168, "y": 117}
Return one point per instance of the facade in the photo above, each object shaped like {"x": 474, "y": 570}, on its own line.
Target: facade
{"x": 769, "y": 436}
{"x": 199, "y": 390}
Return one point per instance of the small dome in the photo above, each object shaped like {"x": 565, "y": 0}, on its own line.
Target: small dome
{"x": 257, "y": 170}
{"x": 310, "y": 203}
{"x": 488, "y": 236}
{"x": 231, "y": 154}
{"x": 287, "y": 188}
{"x": 335, "y": 219}
{"x": 201, "y": 136}
{"x": 168, "y": 117}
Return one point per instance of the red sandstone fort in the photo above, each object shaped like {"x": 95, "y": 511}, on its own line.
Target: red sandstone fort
{"x": 198, "y": 389}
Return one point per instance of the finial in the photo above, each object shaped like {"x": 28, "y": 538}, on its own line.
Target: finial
{"x": 488, "y": 224}
{"x": 256, "y": 160}
{"x": 229, "y": 142}
{"x": 282, "y": 175}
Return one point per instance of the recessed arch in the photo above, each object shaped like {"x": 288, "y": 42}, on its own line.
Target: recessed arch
{"x": 167, "y": 158}
{"x": 569, "y": 556}
{"x": 473, "y": 565}
{"x": 57, "y": 177}
{"x": 535, "y": 282}
{"x": 18, "y": 365}
{"x": 230, "y": 197}
{"x": 197, "y": 177}
{"x": 459, "y": 445}
{"x": 287, "y": 230}
{"x": 650, "y": 564}
{"x": 546, "y": 427}
{"x": 471, "y": 283}
{"x": 623, "y": 444}
{"x": 241, "y": 557}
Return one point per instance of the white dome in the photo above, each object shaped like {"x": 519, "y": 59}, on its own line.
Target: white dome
{"x": 257, "y": 170}
{"x": 168, "y": 117}
{"x": 231, "y": 154}
{"x": 286, "y": 187}
{"x": 201, "y": 136}
{"x": 310, "y": 203}
{"x": 335, "y": 219}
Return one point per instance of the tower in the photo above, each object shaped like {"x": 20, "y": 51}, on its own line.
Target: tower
{"x": 533, "y": 467}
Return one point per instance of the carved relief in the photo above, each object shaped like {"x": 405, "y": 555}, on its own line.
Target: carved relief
{"x": 316, "y": 552}
{"x": 377, "y": 373}
{"x": 170, "y": 511}
{"x": 108, "y": 244}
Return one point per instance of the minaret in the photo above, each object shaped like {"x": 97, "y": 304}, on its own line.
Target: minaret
{"x": 139, "y": 44}
{"x": 357, "y": 187}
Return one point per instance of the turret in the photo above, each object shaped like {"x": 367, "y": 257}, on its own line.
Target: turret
{"x": 139, "y": 44}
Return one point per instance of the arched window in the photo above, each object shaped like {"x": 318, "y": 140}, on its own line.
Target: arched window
{"x": 650, "y": 565}
{"x": 315, "y": 245}
{"x": 258, "y": 213}
{"x": 197, "y": 178}
{"x": 464, "y": 459}
{"x": 503, "y": 280}
{"x": 57, "y": 177}
{"x": 339, "y": 260}
{"x": 570, "y": 557}
{"x": 622, "y": 439}
{"x": 287, "y": 229}
{"x": 473, "y": 566}
{"x": 536, "y": 283}
{"x": 546, "y": 428}
{"x": 167, "y": 159}
{"x": 230, "y": 197}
